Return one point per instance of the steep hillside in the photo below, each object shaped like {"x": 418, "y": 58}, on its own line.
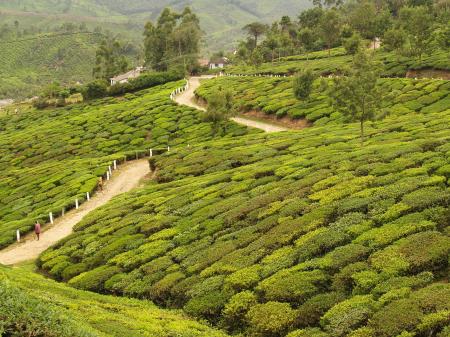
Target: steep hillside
{"x": 52, "y": 157}
{"x": 221, "y": 21}
{"x": 274, "y": 97}
{"x": 35, "y": 306}
{"x": 27, "y": 64}
{"x": 302, "y": 232}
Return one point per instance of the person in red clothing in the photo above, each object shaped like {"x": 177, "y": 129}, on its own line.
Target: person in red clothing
{"x": 37, "y": 229}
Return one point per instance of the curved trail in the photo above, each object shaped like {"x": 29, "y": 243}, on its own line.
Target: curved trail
{"x": 124, "y": 179}
{"x": 188, "y": 98}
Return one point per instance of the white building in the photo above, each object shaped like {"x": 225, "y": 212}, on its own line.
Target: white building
{"x": 124, "y": 78}
{"x": 218, "y": 63}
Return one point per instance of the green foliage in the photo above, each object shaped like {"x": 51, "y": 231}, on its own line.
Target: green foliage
{"x": 271, "y": 318}
{"x": 95, "y": 89}
{"x": 75, "y": 146}
{"x": 173, "y": 42}
{"x": 316, "y": 224}
{"x": 109, "y": 60}
{"x": 34, "y": 306}
{"x": 348, "y": 315}
{"x": 357, "y": 95}
{"x": 303, "y": 84}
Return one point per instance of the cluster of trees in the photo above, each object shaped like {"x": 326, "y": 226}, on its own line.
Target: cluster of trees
{"x": 173, "y": 42}
{"x": 407, "y": 26}
{"x": 110, "y": 59}
{"x": 56, "y": 95}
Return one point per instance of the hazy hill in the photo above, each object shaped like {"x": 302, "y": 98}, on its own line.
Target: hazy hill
{"x": 221, "y": 20}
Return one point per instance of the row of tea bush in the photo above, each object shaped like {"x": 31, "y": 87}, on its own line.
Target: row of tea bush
{"x": 305, "y": 233}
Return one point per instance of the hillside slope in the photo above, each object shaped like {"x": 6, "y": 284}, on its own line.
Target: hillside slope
{"x": 221, "y": 21}
{"x": 303, "y": 232}
{"x": 52, "y": 157}
{"x": 26, "y": 65}
{"x": 32, "y": 304}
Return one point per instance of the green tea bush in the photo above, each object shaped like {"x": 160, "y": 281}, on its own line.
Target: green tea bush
{"x": 271, "y": 318}
{"x": 307, "y": 227}
{"x": 31, "y": 305}
{"x": 274, "y": 96}
{"x": 56, "y": 156}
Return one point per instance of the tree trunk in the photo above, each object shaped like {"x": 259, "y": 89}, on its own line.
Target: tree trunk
{"x": 362, "y": 131}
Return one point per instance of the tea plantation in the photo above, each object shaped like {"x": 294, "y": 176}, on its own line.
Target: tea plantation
{"x": 393, "y": 65}
{"x": 274, "y": 96}
{"x": 296, "y": 233}
{"x": 51, "y": 157}
{"x": 29, "y": 64}
{"x": 35, "y": 306}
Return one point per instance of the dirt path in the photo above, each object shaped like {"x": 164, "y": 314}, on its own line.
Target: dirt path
{"x": 188, "y": 98}
{"x": 127, "y": 177}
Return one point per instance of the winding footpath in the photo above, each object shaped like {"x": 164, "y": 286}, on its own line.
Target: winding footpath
{"x": 124, "y": 179}
{"x": 127, "y": 177}
{"x": 188, "y": 98}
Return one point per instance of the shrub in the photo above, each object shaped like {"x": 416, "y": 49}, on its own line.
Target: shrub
{"x": 309, "y": 313}
{"x": 303, "y": 83}
{"x": 94, "y": 279}
{"x": 271, "y": 318}
{"x": 292, "y": 285}
{"x": 236, "y": 309}
{"x": 24, "y": 315}
{"x": 93, "y": 90}
{"x": 348, "y": 315}
{"x": 244, "y": 278}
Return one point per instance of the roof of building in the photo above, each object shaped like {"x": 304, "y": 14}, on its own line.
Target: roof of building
{"x": 127, "y": 75}
{"x": 219, "y": 60}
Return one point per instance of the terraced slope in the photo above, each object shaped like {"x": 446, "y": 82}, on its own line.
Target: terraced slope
{"x": 32, "y": 304}
{"x": 30, "y": 63}
{"x": 274, "y": 97}
{"x": 393, "y": 65}
{"x": 52, "y": 157}
{"x": 304, "y": 233}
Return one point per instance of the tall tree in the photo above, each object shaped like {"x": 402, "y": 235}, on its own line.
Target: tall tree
{"x": 417, "y": 23}
{"x": 357, "y": 95}
{"x": 174, "y": 41}
{"x": 330, "y": 25}
{"x": 303, "y": 84}
{"x": 306, "y": 38}
{"x": 220, "y": 107}
{"x": 109, "y": 59}
{"x": 255, "y": 30}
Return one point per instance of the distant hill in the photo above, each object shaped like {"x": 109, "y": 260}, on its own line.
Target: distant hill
{"x": 222, "y": 21}
{"x": 28, "y": 64}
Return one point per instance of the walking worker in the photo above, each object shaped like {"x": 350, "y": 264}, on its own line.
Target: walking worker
{"x": 100, "y": 183}
{"x": 37, "y": 229}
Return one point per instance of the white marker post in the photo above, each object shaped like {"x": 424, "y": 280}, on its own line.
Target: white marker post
{"x": 110, "y": 170}
{"x": 50, "y": 215}
{"x": 107, "y": 175}
{"x": 77, "y": 205}
{"x": 18, "y": 235}
{"x": 151, "y": 152}
{"x": 88, "y": 197}
{"x": 115, "y": 164}
{"x": 168, "y": 148}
